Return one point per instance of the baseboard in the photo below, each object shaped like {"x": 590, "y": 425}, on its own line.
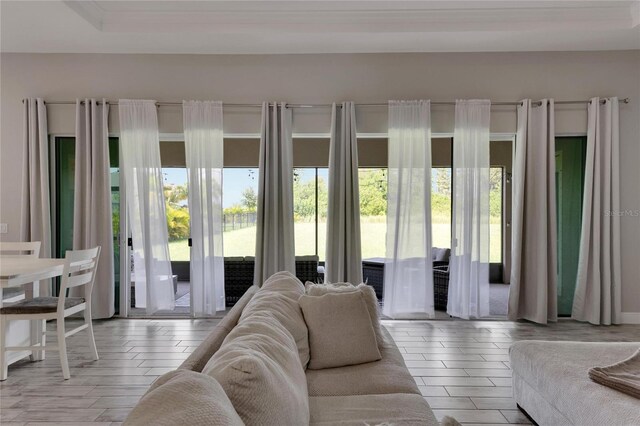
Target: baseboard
{"x": 630, "y": 318}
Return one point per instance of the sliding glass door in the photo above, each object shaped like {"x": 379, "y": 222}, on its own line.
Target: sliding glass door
{"x": 570, "y": 159}
{"x": 64, "y": 152}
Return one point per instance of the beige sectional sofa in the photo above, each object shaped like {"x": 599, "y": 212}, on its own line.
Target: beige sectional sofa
{"x": 381, "y": 392}
{"x": 551, "y": 383}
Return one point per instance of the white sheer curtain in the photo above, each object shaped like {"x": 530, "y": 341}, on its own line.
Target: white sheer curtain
{"x": 469, "y": 276}
{"x": 274, "y": 232}
{"x": 343, "y": 255}
{"x": 36, "y": 207}
{"x": 204, "y": 146}
{"x": 598, "y": 284}
{"x": 92, "y": 221}
{"x": 142, "y": 172}
{"x": 533, "y": 284}
{"x": 408, "y": 270}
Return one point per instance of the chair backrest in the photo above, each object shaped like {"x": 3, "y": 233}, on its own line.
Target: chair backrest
{"x": 11, "y": 249}
{"x": 79, "y": 270}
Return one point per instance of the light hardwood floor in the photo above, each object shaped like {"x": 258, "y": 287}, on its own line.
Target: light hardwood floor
{"x": 461, "y": 367}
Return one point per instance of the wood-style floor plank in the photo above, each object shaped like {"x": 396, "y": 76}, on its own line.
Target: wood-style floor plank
{"x": 461, "y": 367}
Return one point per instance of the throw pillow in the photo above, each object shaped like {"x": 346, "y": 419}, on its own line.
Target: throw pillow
{"x": 340, "y": 330}
{"x": 259, "y": 369}
{"x": 279, "y": 296}
{"x": 184, "y": 397}
{"x": 369, "y": 296}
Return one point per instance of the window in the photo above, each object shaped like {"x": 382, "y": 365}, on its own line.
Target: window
{"x": 373, "y": 211}
{"x": 239, "y": 203}
{"x": 64, "y": 149}
{"x": 310, "y": 205}
{"x": 496, "y": 194}
{"x": 441, "y": 207}
{"x": 177, "y": 210}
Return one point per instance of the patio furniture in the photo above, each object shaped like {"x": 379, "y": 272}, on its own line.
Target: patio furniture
{"x": 238, "y": 277}
{"x": 238, "y": 274}
{"x": 373, "y": 274}
{"x": 440, "y": 285}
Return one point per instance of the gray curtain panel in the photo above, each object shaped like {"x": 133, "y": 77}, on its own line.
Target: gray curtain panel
{"x": 92, "y": 221}
{"x": 36, "y": 206}
{"x": 274, "y": 239}
{"x": 533, "y": 288}
{"x": 598, "y": 296}
{"x": 344, "y": 254}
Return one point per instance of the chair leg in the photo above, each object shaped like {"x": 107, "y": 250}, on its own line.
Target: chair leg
{"x": 89, "y": 322}
{"x": 62, "y": 348}
{"x": 3, "y": 353}
{"x": 43, "y": 338}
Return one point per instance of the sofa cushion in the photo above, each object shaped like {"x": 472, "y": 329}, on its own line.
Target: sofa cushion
{"x": 552, "y": 377}
{"x": 279, "y": 296}
{"x": 203, "y": 353}
{"x": 391, "y": 409}
{"x": 259, "y": 369}
{"x": 389, "y": 375}
{"x": 340, "y": 330}
{"x": 183, "y": 397}
{"x": 440, "y": 254}
{"x": 369, "y": 297}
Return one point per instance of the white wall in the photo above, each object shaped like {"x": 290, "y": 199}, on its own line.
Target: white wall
{"x": 330, "y": 78}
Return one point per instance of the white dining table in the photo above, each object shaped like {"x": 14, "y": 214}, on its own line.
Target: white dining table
{"x": 17, "y": 271}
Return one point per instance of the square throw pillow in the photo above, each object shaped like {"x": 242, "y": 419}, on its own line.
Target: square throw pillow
{"x": 369, "y": 297}
{"x": 259, "y": 369}
{"x": 184, "y": 397}
{"x": 279, "y": 296}
{"x": 340, "y": 330}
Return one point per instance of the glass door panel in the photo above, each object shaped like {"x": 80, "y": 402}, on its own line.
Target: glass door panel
{"x": 65, "y": 151}
{"x": 570, "y": 158}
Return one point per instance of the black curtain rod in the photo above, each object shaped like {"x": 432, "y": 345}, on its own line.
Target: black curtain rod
{"x": 379, "y": 104}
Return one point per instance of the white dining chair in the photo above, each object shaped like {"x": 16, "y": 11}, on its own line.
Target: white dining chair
{"x": 79, "y": 270}
{"x": 17, "y": 249}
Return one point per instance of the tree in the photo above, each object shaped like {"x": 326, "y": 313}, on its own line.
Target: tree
{"x": 495, "y": 193}
{"x": 177, "y": 222}
{"x": 442, "y": 181}
{"x": 249, "y": 199}
{"x": 373, "y": 192}
{"x": 176, "y": 194}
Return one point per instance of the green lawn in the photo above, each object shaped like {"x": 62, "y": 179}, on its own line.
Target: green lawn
{"x": 242, "y": 242}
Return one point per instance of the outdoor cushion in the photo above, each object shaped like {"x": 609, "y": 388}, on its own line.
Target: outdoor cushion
{"x": 184, "y": 398}
{"x": 440, "y": 254}
{"x": 340, "y": 330}
{"x": 39, "y": 305}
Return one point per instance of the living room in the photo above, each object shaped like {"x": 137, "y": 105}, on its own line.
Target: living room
{"x": 473, "y": 164}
